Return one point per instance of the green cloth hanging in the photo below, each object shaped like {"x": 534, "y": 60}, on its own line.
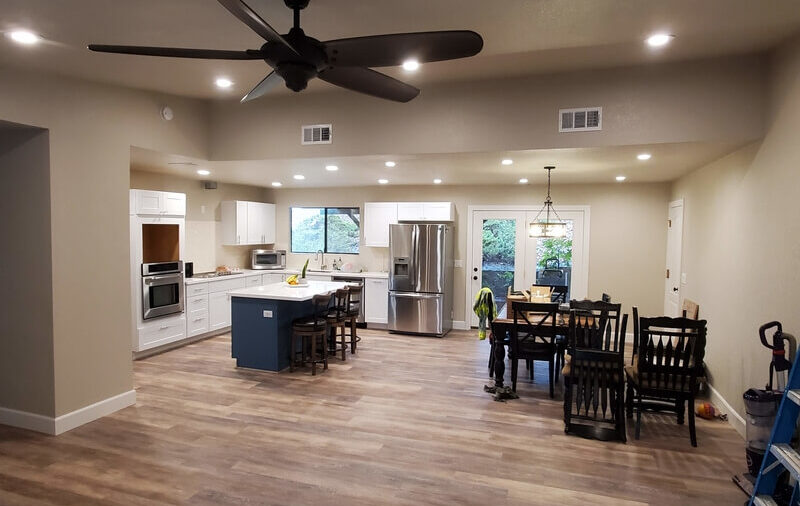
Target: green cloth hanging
{"x": 485, "y": 309}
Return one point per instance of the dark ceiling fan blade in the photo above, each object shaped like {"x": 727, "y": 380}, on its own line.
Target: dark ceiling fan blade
{"x": 364, "y": 80}
{"x": 394, "y": 49}
{"x": 265, "y": 86}
{"x": 249, "y": 17}
{"x": 177, "y": 52}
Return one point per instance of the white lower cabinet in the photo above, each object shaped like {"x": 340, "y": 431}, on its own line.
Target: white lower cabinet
{"x": 196, "y": 322}
{"x": 219, "y": 311}
{"x": 251, "y": 281}
{"x": 162, "y": 331}
{"x": 376, "y": 300}
{"x": 272, "y": 277}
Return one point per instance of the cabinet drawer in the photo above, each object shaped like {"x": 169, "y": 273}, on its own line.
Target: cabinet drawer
{"x": 226, "y": 285}
{"x": 196, "y": 289}
{"x": 253, "y": 280}
{"x": 162, "y": 332}
{"x": 193, "y": 303}
{"x": 197, "y": 322}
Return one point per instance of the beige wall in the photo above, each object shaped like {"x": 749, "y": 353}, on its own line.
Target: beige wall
{"x": 26, "y": 316}
{"x": 627, "y": 251}
{"x": 741, "y": 247}
{"x": 713, "y": 100}
{"x": 91, "y": 129}
{"x": 203, "y": 217}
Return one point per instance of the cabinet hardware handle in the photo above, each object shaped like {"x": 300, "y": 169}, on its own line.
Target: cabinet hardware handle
{"x": 164, "y": 327}
{"x": 198, "y": 300}
{"x": 199, "y": 319}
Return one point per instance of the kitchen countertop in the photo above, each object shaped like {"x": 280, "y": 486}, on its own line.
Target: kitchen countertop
{"x": 282, "y": 291}
{"x": 251, "y": 272}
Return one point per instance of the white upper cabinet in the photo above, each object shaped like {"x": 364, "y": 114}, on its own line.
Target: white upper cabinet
{"x": 410, "y": 211}
{"x": 247, "y": 223}
{"x": 147, "y": 202}
{"x": 438, "y": 211}
{"x": 377, "y": 218}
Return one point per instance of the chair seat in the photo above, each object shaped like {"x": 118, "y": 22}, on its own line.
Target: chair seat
{"x": 567, "y": 369}
{"x": 666, "y": 382}
{"x": 333, "y": 318}
{"x": 307, "y": 324}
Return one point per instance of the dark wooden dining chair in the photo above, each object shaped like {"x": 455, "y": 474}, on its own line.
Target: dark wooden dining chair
{"x": 353, "y": 310}
{"x": 309, "y": 336}
{"x": 666, "y": 367}
{"x": 533, "y": 337}
{"x": 594, "y": 376}
{"x": 337, "y": 322}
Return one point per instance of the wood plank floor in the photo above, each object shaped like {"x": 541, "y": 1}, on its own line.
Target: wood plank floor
{"x": 404, "y": 422}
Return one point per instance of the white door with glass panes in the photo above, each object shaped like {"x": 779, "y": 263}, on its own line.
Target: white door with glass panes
{"x": 502, "y": 255}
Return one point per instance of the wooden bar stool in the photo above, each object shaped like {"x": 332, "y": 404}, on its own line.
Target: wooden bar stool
{"x": 354, "y": 309}
{"x": 337, "y": 322}
{"x": 309, "y": 332}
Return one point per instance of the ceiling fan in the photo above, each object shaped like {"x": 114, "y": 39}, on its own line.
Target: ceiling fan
{"x": 297, "y": 58}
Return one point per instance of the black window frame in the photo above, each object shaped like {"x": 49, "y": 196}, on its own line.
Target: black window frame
{"x": 325, "y": 228}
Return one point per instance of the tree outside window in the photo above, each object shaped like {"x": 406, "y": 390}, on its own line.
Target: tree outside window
{"x": 330, "y": 229}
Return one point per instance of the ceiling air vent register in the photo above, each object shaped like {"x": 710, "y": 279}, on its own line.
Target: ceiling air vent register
{"x": 581, "y": 119}
{"x": 316, "y": 134}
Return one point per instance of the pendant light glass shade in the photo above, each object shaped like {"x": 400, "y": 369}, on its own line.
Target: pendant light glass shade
{"x": 549, "y": 226}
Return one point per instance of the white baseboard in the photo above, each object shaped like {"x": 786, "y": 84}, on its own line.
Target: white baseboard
{"x": 734, "y": 418}
{"x": 58, "y": 425}
{"x": 461, "y": 325}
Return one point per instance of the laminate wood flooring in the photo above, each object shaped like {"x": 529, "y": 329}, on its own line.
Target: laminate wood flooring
{"x": 403, "y": 422}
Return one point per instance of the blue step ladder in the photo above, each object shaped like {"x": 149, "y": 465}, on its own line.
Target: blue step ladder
{"x": 780, "y": 455}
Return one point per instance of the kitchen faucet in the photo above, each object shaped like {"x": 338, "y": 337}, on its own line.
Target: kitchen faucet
{"x": 320, "y": 256}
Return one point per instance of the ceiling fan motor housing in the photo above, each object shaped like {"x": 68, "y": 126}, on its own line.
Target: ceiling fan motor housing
{"x": 296, "y": 69}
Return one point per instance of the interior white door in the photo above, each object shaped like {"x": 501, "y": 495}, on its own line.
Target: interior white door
{"x": 498, "y": 254}
{"x": 672, "y": 282}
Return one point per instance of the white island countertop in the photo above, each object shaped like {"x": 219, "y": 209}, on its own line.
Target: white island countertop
{"x": 282, "y": 291}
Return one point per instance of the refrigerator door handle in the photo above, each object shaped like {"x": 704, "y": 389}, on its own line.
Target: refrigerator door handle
{"x": 414, "y": 267}
{"x": 416, "y": 295}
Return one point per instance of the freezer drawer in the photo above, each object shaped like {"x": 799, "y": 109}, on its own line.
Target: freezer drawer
{"x": 417, "y": 313}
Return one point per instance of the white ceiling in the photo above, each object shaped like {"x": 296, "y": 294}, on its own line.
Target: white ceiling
{"x": 521, "y": 36}
{"x": 574, "y": 165}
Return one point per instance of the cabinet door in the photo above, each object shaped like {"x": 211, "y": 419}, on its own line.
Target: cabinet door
{"x": 438, "y": 211}
{"x": 410, "y": 211}
{"x": 377, "y": 218}
{"x": 253, "y": 281}
{"x": 271, "y": 278}
{"x": 175, "y": 204}
{"x": 255, "y": 222}
{"x": 269, "y": 223}
{"x": 241, "y": 222}
{"x": 219, "y": 310}
{"x": 149, "y": 202}
{"x": 376, "y": 300}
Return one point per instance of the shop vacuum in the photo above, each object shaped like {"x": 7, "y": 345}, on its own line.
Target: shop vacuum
{"x": 761, "y": 407}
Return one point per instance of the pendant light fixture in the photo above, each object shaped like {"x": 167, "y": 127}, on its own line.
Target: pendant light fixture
{"x": 551, "y": 225}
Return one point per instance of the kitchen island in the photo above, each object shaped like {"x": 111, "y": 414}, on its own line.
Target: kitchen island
{"x": 261, "y": 321}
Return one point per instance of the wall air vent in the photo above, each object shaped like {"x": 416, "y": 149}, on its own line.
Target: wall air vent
{"x": 317, "y": 134}
{"x": 580, "y": 120}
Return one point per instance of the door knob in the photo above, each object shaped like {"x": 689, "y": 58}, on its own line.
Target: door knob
{"x": 475, "y": 277}
{"x": 675, "y": 289}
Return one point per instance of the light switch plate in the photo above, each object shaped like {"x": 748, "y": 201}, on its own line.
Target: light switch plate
{"x": 458, "y": 263}
{"x": 267, "y": 313}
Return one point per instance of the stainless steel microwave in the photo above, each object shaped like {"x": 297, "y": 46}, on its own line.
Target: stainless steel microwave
{"x": 268, "y": 259}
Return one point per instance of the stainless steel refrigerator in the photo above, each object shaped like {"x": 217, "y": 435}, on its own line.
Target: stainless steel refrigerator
{"x": 421, "y": 278}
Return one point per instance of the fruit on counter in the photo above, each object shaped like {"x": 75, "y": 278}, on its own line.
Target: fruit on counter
{"x": 292, "y": 280}
{"x": 305, "y": 266}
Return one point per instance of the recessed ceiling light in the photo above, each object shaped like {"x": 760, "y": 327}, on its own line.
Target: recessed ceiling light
{"x": 223, "y": 82}
{"x": 390, "y": 163}
{"x": 383, "y": 181}
{"x": 507, "y": 161}
{"x": 299, "y": 177}
{"x": 437, "y": 181}
{"x": 620, "y": 178}
{"x": 331, "y": 168}
{"x": 644, "y": 156}
{"x": 276, "y": 184}
{"x": 411, "y": 65}
{"x": 523, "y": 181}
{"x": 659, "y": 39}
{"x": 204, "y": 172}
{"x": 24, "y": 37}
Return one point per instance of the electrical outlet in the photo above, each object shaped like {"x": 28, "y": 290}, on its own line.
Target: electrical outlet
{"x": 267, "y": 313}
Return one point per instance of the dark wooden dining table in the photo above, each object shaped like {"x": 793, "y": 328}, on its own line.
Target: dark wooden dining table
{"x": 503, "y": 324}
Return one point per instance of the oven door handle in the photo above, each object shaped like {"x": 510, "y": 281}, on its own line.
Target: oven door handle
{"x": 149, "y": 280}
